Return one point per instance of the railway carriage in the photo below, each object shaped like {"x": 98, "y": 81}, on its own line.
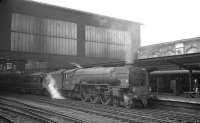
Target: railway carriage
{"x": 23, "y": 83}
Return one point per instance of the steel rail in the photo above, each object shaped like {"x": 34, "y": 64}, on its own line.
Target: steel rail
{"x": 124, "y": 116}
{"x": 39, "y": 113}
{"x": 161, "y": 115}
{"x": 5, "y": 119}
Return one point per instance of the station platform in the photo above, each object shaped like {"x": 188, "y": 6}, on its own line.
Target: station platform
{"x": 180, "y": 102}
{"x": 181, "y": 99}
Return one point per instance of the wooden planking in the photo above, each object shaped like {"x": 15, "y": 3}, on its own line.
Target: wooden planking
{"x": 102, "y": 35}
{"x": 22, "y": 42}
{"x": 102, "y": 42}
{"x": 48, "y": 36}
{"x": 60, "y": 46}
{"x": 59, "y": 28}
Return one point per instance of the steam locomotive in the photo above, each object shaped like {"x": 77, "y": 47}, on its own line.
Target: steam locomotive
{"x": 125, "y": 85}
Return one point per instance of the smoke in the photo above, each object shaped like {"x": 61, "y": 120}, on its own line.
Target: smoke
{"x": 52, "y": 87}
{"x": 76, "y": 65}
{"x": 126, "y": 98}
{"x": 129, "y": 33}
{"x": 129, "y": 57}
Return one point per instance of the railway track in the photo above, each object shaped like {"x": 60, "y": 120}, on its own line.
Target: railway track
{"x": 13, "y": 115}
{"x": 37, "y": 114}
{"x": 153, "y": 115}
{"x": 136, "y": 115}
{"x": 4, "y": 119}
{"x": 111, "y": 119}
{"x": 105, "y": 114}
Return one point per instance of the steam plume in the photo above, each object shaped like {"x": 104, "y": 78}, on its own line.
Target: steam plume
{"x": 129, "y": 54}
{"x": 52, "y": 87}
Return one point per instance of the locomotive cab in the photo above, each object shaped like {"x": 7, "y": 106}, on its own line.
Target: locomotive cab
{"x": 138, "y": 81}
{"x": 138, "y": 88}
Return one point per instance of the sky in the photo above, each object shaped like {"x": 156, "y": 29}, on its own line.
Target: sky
{"x": 162, "y": 20}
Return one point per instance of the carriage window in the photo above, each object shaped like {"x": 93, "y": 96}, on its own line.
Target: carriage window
{"x": 34, "y": 79}
{"x": 1, "y": 67}
{"x": 68, "y": 75}
{"x": 9, "y": 66}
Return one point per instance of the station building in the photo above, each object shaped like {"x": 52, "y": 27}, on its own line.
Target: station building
{"x": 48, "y": 37}
{"x": 174, "y": 67}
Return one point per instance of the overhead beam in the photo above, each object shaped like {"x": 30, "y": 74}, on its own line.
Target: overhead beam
{"x": 178, "y": 64}
{"x": 187, "y": 67}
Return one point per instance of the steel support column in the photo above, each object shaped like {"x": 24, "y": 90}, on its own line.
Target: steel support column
{"x": 190, "y": 80}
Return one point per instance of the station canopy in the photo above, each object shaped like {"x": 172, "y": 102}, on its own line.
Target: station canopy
{"x": 184, "y": 61}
